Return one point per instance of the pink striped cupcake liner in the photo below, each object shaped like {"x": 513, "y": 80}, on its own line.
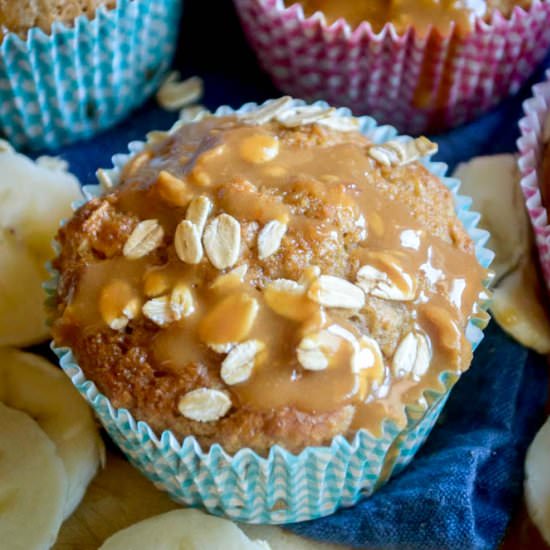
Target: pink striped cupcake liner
{"x": 416, "y": 83}
{"x": 531, "y": 148}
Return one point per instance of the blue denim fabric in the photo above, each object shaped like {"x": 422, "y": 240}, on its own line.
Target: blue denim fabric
{"x": 461, "y": 489}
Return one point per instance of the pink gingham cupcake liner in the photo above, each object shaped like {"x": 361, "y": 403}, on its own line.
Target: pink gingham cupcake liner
{"x": 416, "y": 83}
{"x": 531, "y": 148}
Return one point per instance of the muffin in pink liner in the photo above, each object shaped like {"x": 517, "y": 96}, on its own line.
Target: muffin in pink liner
{"x": 415, "y": 81}
{"x": 534, "y": 166}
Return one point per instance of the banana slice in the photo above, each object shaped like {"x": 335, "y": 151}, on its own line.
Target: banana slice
{"x": 518, "y": 307}
{"x": 34, "y": 198}
{"x": 537, "y": 481}
{"x": 22, "y": 314}
{"x": 493, "y": 184}
{"x": 33, "y": 385}
{"x": 279, "y": 539}
{"x": 118, "y": 497}
{"x": 518, "y": 298}
{"x": 33, "y": 486}
{"x": 189, "y": 529}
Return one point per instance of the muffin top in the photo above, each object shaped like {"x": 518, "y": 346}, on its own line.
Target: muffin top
{"x": 255, "y": 280}
{"x": 22, "y": 15}
{"x": 405, "y": 13}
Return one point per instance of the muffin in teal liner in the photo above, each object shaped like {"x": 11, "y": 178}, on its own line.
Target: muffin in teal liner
{"x": 268, "y": 308}
{"x": 77, "y": 78}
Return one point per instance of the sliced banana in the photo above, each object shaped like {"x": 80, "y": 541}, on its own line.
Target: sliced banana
{"x": 493, "y": 184}
{"x": 33, "y": 385}
{"x": 34, "y": 198}
{"x": 32, "y": 486}
{"x": 178, "y": 529}
{"x": 518, "y": 308}
{"x": 517, "y": 304}
{"x": 22, "y": 314}
{"x": 118, "y": 497}
{"x": 279, "y": 539}
{"x": 537, "y": 481}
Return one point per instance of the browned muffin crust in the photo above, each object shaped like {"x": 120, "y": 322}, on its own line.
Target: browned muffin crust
{"x": 147, "y": 368}
{"x": 22, "y": 15}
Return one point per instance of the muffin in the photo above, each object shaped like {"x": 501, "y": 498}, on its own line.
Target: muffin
{"x": 270, "y": 281}
{"x": 402, "y": 14}
{"x": 534, "y": 167}
{"x": 420, "y": 66}
{"x": 53, "y": 92}
{"x": 26, "y": 14}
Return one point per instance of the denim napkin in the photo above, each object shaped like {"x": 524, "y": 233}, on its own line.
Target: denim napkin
{"x": 461, "y": 489}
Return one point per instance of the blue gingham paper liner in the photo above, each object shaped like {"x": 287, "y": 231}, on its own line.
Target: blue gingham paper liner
{"x": 70, "y": 83}
{"x": 282, "y": 487}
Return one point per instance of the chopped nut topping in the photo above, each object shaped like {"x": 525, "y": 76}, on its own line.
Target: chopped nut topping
{"x": 198, "y": 211}
{"x": 259, "y": 148}
{"x": 398, "y": 153}
{"x": 173, "y": 190}
{"x": 230, "y": 320}
{"x": 230, "y": 280}
{"x": 315, "y": 350}
{"x": 238, "y": 365}
{"x": 270, "y": 237}
{"x": 222, "y": 241}
{"x": 332, "y": 291}
{"x": 173, "y": 94}
{"x": 181, "y": 302}
{"x": 146, "y": 236}
{"x": 187, "y": 242}
{"x": 412, "y": 356}
{"x": 378, "y": 283}
{"x": 204, "y": 405}
{"x": 155, "y": 283}
{"x": 266, "y": 113}
{"x": 118, "y": 304}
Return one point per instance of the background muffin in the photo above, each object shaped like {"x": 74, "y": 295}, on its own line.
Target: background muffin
{"x": 22, "y": 16}
{"x": 407, "y": 74}
{"x": 282, "y": 330}
{"x": 70, "y": 69}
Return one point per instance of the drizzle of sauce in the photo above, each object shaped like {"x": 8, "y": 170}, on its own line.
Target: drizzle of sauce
{"x": 340, "y": 178}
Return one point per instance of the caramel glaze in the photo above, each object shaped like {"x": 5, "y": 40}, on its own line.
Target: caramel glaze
{"x": 350, "y": 187}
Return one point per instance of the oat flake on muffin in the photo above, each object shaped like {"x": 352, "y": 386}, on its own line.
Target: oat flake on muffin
{"x": 268, "y": 279}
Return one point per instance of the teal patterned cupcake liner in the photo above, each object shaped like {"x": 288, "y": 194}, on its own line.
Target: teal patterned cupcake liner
{"x": 77, "y": 80}
{"x": 282, "y": 487}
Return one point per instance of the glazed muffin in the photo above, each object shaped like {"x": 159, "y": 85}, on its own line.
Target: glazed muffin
{"x": 419, "y": 65}
{"x": 403, "y": 14}
{"x": 88, "y": 49}
{"x": 268, "y": 280}
{"x": 24, "y": 15}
